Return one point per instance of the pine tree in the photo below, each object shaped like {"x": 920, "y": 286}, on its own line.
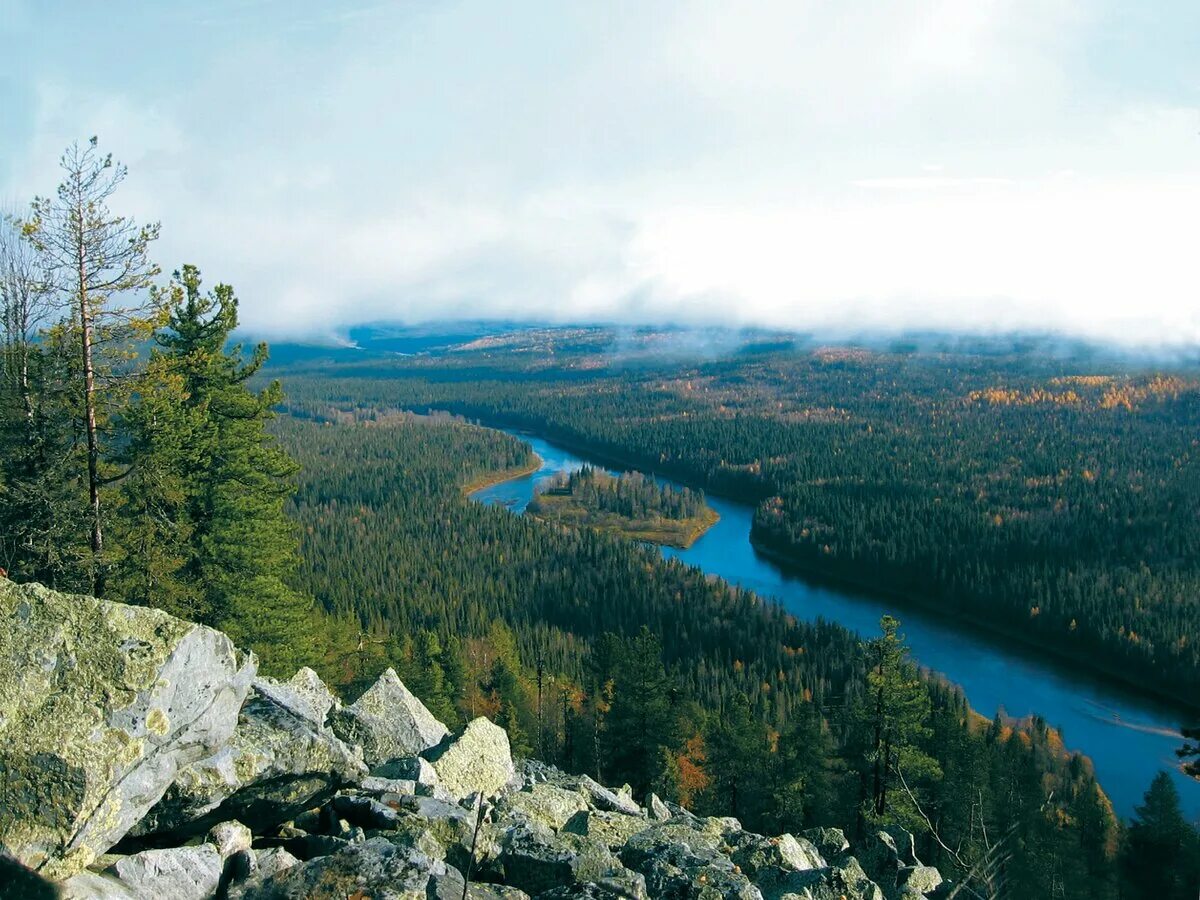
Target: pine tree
{"x": 640, "y": 723}
{"x": 93, "y": 257}
{"x": 894, "y": 714}
{"x": 240, "y": 554}
{"x": 1161, "y": 858}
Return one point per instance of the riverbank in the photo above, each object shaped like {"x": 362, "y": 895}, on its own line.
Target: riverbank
{"x": 1085, "y": 662}
{"x": 492, "y": 478}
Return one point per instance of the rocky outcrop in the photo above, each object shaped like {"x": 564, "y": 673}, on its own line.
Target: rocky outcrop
{"x": 387, "y": 722}
{"x": 280, "y": 759}
{"x": 432, "y": 818}
{"x": 101, "y": 705}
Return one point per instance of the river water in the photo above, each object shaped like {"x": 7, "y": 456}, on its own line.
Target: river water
{"x": 1129, "y": 738}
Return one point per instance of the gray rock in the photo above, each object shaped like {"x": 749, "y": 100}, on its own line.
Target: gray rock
{"x": 658, "y": 809}
{"x": 273, "y": 860}
{"x": 88, "y": 885}
{"x": 543, "y": 803}
{"x": 600, "y": 797}
{"x": 535, "y": 860}
{"x": 388, "y": 722}
{"x": 830, "y": 842}
{"x": 230, "y": 837}
{"x": 477, "y": 761}
{"x": 181, "y": 873}
{"x": 919, "y": 880}
{"x": 375, "y": 785}
{"x": 278, "y": 761}
{"x": 756, "y": 854}
{"x": 375, "y": 868}
{"x": 101, "y": 704}
{"x": 304, "y": 694}
{"x": 611, "y": 829}
{"x": 407, "y": 768}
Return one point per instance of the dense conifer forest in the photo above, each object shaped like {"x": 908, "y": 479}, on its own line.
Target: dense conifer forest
{"x": 1054, "y": 498}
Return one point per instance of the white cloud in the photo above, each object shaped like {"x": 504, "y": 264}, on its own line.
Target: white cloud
{"x": 954, "y": 164}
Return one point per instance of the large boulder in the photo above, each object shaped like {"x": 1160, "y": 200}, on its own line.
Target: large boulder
{"x": 101, "y": 704}
{"x": 388, "y": 722}
{"x": 477, "y": 761}
{"x": 280, "y": 760}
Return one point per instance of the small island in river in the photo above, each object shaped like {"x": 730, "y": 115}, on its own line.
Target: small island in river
{"x": 631, "y": 505}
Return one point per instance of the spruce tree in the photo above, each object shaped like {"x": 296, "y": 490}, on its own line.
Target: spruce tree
{"x": 240, "y": 555}
{"x": 1161, "y": 858}
{"x": 640, "y": 723}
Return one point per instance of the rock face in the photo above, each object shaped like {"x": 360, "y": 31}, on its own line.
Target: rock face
{"x": 280, "y": 806}
{"x": 388, "y": 721}
{"x": 279, "y": 761}
{"x": 477, "y": 761}
{"x": 101, "y": 705}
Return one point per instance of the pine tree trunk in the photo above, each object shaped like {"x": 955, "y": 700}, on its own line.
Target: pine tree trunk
{"x": 93, "y": 446}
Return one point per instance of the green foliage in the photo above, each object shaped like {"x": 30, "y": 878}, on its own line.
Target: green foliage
{"x": 1056, "y": 496}
{"x": 1161, "y": 858}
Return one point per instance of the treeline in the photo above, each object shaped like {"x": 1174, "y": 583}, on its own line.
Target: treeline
{"x": 134, "y": 461}
{"x": 599, "y": 655}
{"x": 630, "y": 494}
{"x": 1028, "y": 493}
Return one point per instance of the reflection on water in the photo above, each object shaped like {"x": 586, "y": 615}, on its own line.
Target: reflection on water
{"x": 1128, "y": 738}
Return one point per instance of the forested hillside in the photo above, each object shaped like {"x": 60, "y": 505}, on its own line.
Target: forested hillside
{"x": 1036, "y": 495}
{"x": 576, "y": 641}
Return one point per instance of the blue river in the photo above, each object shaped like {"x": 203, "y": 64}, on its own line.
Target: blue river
{"x": 1128, "y": 737}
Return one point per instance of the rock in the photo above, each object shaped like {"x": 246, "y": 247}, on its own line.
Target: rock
{"x": 365, "y": 812}
{"x": 230, "y": 837}
{"x": 273, "y": 860}
{"x": 101, "y": 704}
{"x": 181, "y": 873}
{"x": 658, "y": 809}
{"x": 478, "y": 760}
{"x": 19, "y": 882}
{"x": 535, "y": 860}
{"x": 601, "y": 797}
{"x": 919, "y": 880}
{"x": 374, "y": 785}
{"x": 543, "y": 803}
{"x": 304, "y": 693}
{"x": 87, "y": 885}
{"x": 376, "y": 868}
{"x": 611, "y": 829}
{"x": 278, "y": 761}
{"x": 756, "y": 854}
{"x": 885, "y": 853}
{"x": 388, "y": 722}
{"x": 407, "y": 768}
{"x": 830, "y": 842}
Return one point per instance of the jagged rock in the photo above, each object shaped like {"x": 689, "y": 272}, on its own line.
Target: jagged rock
{"x": 477, "y": 761}
{"x": 830, "y": 842}
{"x": 601, "y": 797}
{"x": 375, "y": 868}
{"x": 181, "y": 873}
{"x": 916, "y": 881}
{"x": 848, "y": 881}
{"x": 374, "y": 785}
{"x": 885, "y": 853}
{"x": 388, "y": 722}
{"x": 100, "y": 705}
{"x": 609, "y": 828}
{"x": 543, "y": 803}
{"x": 407, "y": 768}
{"x": 366, "y": 812}
{"x": 230, "y": 837}
{"x": 536, "y": 860}
{"x": 679, "y": 861}
{"x": 279, "y": 760}
{"x": 304, "y": 693}
{"x": 272, "y": 860}
{"x": 658, "y": 810}
{"x": 754, "y": 853}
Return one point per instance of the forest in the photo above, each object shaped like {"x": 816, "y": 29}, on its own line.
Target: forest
{"x": 630, "y": 504}
{"x": 144, "y": 459}
{"x": 1054, "y": 497}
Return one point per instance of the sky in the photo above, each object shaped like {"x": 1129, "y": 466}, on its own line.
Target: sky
{"x": 837, "y": 166}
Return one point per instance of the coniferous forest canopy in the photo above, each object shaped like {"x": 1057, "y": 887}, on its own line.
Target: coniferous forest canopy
{"x": 144, "y": 459}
